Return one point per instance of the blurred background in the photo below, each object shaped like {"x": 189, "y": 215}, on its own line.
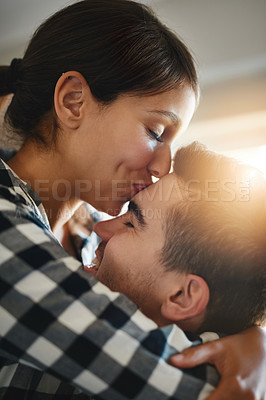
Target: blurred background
{"x": 228, "y": 41}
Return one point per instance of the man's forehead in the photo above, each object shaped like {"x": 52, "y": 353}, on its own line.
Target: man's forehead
{"x": 168, "y": 186}
{"x": 158, "y": 197}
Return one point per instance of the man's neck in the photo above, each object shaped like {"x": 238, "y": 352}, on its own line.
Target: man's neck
{"x": 191, "y": 324}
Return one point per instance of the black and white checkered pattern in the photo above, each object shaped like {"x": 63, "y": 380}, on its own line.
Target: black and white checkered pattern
{"x": 58, "y": 324}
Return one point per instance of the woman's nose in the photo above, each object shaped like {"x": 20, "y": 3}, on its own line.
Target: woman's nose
{"x": 161, "y": 162}
{"x": 106, "y": 229}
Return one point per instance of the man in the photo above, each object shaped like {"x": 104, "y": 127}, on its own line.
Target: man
{"x": 71, "y": 327}
{"x": 63, "y": 334}
{"x": 191, "y": 248}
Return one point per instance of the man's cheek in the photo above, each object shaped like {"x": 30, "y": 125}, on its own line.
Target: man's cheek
{"x": 108, "y": 265}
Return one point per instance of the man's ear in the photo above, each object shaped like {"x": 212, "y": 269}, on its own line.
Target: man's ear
{"x": 187, "y": 299}
{"x": 69, "y": 97}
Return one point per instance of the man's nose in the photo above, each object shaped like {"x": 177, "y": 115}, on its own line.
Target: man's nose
{"x": 161, "y": 162}
{"x": 106, "y": 229}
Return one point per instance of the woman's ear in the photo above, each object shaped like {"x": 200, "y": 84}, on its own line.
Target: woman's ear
{"x": 69, "y": 98}
{"x": 187, "y": 300}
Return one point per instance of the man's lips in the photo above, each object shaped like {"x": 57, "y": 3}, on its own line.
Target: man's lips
{"x": 94, "y": 266}
{"x": 100, "y": 251}
{"x": 91, "y": 269}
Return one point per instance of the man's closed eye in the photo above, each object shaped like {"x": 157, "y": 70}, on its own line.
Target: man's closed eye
{"x": 129, "y": 224}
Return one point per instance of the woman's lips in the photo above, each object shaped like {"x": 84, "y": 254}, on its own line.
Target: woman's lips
{"x": 140, "y": 186}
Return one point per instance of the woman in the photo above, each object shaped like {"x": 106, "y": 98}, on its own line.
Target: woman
{"x": 102, "y": 90}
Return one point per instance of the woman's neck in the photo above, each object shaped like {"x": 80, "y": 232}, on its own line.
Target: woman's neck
{"x": 48, "y": 176}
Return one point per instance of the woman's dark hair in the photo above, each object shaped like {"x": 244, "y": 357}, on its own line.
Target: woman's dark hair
{"x": 119, "y": 46}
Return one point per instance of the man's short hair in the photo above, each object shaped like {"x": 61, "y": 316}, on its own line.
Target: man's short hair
{"x": 219, "y": 233}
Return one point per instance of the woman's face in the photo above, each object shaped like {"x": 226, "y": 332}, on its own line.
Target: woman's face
{"x": 122, "y": 145}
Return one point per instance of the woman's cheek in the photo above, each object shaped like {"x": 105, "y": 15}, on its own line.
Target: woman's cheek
{"x": 140, "y": 156}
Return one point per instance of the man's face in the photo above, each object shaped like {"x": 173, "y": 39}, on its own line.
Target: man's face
{"x": 129, "y": 257}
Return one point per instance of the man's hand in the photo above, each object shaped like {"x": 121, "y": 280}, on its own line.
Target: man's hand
{"x": 240, "y": 360}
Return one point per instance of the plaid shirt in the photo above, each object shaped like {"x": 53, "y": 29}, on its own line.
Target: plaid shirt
{"x": 63, "y": 335}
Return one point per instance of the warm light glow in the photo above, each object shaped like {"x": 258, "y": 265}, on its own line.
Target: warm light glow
{"x": 255, "y": 156}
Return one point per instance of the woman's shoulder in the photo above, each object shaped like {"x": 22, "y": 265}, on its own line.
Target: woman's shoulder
{"x": 10, "y": 191}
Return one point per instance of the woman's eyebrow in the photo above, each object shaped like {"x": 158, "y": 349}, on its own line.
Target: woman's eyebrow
{"x": 134, "y": 208}
{"x": 169, "y": 114}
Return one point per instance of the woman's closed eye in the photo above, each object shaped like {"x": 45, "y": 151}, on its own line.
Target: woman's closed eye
{"x": 155, "y": 135}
